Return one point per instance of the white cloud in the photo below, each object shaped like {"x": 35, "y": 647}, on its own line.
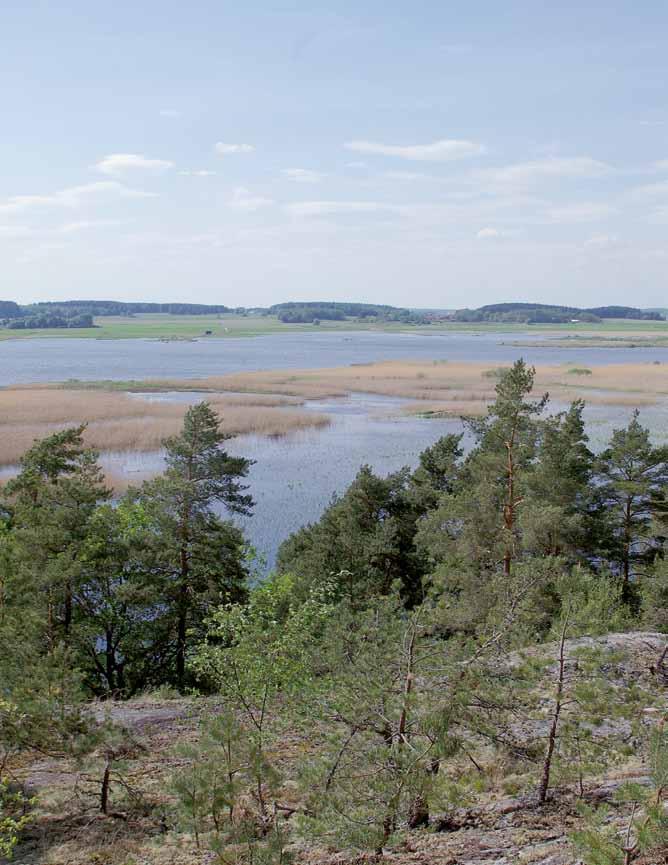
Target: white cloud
{"x": 488, "y": 233}
{"x": 661, "y": 165}
{"x": 356, "y": 164}
{"x": 659, "y": 215}
{"x": 86, "y": 224}
{"x": 73, "y": 196}
{"x": 302, "y": 175}
{"x": 202, "y": 172}
{"x": 407, "y": 175}
{"x": 227, "y": 149}
{"x": 119, "y": 163}
{"x": 584, "y": 211}
{"x": 600, "y": 241}
{"x": 324, "y": 208}
{"x": 243, "y": 199}
{"x": 171, "y": 113}
{"x": 15, "y": 231}
{"x": 559, "y": 167}
{"x": 458, "y": 48}
{"x": 438, "y": 151}
{"x": 651, "y": 190}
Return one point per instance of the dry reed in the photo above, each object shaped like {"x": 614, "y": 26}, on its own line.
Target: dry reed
{"x": 618, "y": 384}
{"x": 265, "y": 402}
{"x": 118, "y": 422}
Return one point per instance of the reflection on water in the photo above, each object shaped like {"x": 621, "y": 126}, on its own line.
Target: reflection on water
{"x": 295, "y": 477}
{"x": 35, "y": 360}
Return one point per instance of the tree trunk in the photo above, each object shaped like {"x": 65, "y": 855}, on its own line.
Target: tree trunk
{"x": 626, "y": 555}
{"x": 104, "y": 790}
{"x": 419, "y": 813}
{"x": 554, "y": 726}
{"x": 509, "y": 507}
{"x": 182, "y": 622}
{"x": 110, "y": 662}
{"x": 182, "y": 602}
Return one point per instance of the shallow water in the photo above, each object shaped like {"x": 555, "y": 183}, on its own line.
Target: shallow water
{"x": 295, "y": 477}
{"x": 38, "y": 360}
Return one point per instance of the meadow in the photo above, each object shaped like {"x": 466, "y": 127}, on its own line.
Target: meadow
{"x": 170, "y": 327}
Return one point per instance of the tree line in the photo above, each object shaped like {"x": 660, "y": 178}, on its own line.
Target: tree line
{"x": 397, "y": 641}
{"x": 80, "y": 313}
{"x": 308, "y": 312}
{"x": 547, "y": 313}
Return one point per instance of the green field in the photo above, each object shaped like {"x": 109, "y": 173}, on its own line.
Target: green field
{"x": 157, "y": 326}
{"x": 154, "y": 326}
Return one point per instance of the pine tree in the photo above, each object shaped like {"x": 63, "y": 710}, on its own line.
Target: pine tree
{"x": 555, "y": 520}
{"x": 631, "y": 478}
{"x": 645, "y": 829}
{"x": 366, "y": 536}
{"x": 51, "y": 502}
{"x": 437, "y": 471}
{"x": 475, "y": 530}
{"x": 114, "y": 605}
{"x": 193, "y": 560}
{"x": 506, "y": 447}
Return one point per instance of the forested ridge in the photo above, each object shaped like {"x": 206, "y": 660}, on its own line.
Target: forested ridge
{"x": 547, "y": 313}
{"x": 312, "y": 312}
{"x": 446, "y": 646}
{"x": 80, "y": 313}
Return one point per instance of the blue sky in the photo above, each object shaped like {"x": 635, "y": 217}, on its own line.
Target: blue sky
{"x": 420, "y": 153}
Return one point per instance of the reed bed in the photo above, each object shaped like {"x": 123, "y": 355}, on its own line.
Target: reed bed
{"x": 267, "y": 402}
{"x": 618, "y": 384}
{"x": 409, "y": 379}
{"x": 454, "y": 409}
{"x": 118, "y": 422}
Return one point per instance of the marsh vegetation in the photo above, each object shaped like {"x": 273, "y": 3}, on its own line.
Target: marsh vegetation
{"x": 459, "y": 648}
{"x": 116, "y": 421}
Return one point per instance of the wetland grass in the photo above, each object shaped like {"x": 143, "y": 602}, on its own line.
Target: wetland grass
{"x": 119, "y": 422}
{"x": 267, "y": 402}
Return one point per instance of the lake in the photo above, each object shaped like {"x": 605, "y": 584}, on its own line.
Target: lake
{"x": 40, "y": 360}
{"x": 295, "y": 477}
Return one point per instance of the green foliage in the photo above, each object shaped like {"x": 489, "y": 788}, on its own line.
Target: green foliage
{"x": 654, "y": 597}
{"x": 117, "y": 588}
{"x": 396, "y": 705}
{"x": 191, "y": 561}
{"x": 391, "y": 666}
{"x": 366, "y": 536}
{"x": 14, "y": 807}
{"x": 596, "y": 603}
{"x": 223, "y": 793}
{"x": 645, "y": 827}
{"x": 51, "y": 503}
{"x": 631, "y": 492}
{"x": 42, "y": 706}
{"x": 539, "y": 313}
{"x": 255, "y": 651}
{"x": 314, "y": 311}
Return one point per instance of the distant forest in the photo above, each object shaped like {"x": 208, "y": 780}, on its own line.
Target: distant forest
{"x": 545, "y": 313}
{"x": 312, "y": 312}
{"x": 79, "y": 313}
